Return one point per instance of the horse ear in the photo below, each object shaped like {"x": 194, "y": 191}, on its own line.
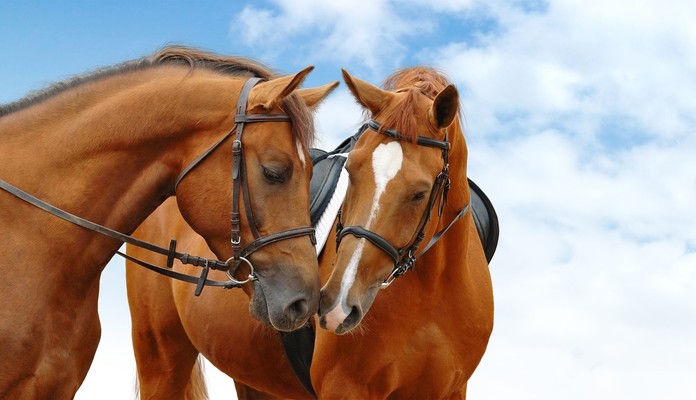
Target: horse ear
{"x": 266, "y": 95}
{"x": 445, "y": 107}
{"x": 367, "y": 94}
{"x": 312, "y": 97}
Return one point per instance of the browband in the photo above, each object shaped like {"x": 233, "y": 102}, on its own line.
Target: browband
{"x": 422, "y": 140}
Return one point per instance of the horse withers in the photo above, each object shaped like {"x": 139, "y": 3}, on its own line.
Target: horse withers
{"x": 102, "y": 151}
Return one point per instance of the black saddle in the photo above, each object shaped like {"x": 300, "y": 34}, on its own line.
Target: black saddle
{"x": 327, "y": 169}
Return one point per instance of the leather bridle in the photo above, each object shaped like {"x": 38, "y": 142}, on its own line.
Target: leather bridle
{"x": 239, "y": 183}
{"x": 404, "y": 258}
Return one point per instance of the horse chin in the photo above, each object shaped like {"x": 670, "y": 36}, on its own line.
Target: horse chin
{"x": 343, "y": 329}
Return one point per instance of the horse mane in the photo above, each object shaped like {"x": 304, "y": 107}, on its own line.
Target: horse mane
{"x": 401, "y": 116}
{"x": 302, "y": 121}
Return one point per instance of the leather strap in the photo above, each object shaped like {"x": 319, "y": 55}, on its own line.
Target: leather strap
{"x": 200, "y": 158}
{"x": 438, "y": 235}
{"x": 179, "y": 276}
{"x": 261, "y": 118}
{"x": 278, "y": 236}
{"x": 421, "y": 140}
{"x": 170, "y": 253}
{"x": 240, "y": 185}
{"x": 74, "y": 219}
{"x": 377, "y": 240}
{"x": 239, "y": 165}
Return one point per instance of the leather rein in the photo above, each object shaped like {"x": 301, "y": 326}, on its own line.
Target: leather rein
{"x": 239, "y": 183}
{"x": 404, "y": 258}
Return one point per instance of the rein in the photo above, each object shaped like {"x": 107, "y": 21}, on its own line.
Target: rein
{"x": 238, "y": 179}
{"x": 404, "y": 258}
{"x": 171, "y": 252}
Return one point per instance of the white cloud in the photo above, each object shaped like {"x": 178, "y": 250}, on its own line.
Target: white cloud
{"x": 337, "y": 118}
{"x": 369, "y": 33}
{"x": 595, "y": 270}
{"x": 616, "y": 59}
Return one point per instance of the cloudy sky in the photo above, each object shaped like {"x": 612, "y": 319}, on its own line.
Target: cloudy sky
{"x": 580, "y": 122}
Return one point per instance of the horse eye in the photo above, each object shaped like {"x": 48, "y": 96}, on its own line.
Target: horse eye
{"x": 273, "y": 176}
{"x": 419, "y": 196}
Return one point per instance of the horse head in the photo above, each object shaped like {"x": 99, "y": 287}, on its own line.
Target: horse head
{"x": 398, "y": 180}
{"x": 264, "y": 177}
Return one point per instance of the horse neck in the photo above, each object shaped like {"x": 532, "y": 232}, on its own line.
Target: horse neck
{"x": 110, "y": 150}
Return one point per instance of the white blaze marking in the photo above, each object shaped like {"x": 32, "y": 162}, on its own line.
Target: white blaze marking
{"x": 386, "y": 163}
{"x": 339, "y": 313}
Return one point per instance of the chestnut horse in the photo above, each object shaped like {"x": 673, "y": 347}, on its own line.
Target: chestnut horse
{"x": 427, "y": 332}
{"x": 105, "y": 149}
{"x": 406, "y": 214}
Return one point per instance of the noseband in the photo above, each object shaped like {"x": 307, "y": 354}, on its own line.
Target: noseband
{"x": 239, "y": 180}
{"x": 404, "y": 258}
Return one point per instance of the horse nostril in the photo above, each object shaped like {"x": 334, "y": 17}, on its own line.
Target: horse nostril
{"x": 354, "y": 317}
{"x": 298, "y": 309}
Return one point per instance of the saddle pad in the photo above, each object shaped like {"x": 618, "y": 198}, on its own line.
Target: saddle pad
{"x": 327, "y": 189}
{"x": 325, "y": 177}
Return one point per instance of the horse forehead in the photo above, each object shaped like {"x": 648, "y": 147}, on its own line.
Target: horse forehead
{"x": 409, "y": 161}
{"x": 386, "y": 162}
{"x": 272, "y": 135}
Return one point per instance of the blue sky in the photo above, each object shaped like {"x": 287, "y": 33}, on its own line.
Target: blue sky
{"x": 580, "y": 124}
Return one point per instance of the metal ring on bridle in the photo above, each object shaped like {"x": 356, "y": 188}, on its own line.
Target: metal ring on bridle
{"x": 392, "y": 276}
{"x": 250, "y": 277}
